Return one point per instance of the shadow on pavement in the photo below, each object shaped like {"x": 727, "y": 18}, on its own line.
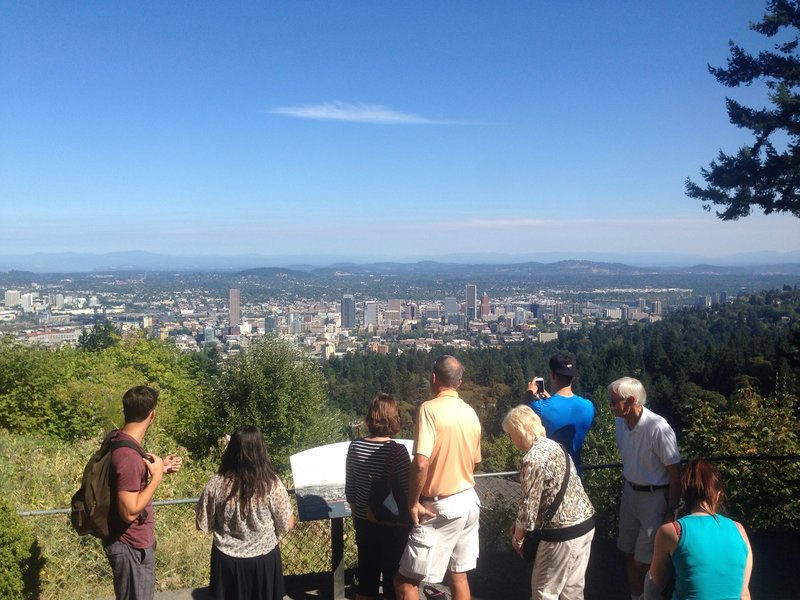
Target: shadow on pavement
{"x": 503, "y": 575}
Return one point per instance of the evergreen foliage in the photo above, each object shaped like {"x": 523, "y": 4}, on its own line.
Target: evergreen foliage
{"x": 724, "y": 377}
{"x": 102, "y": 335}
{"x": 766, "y": 173}
{"x": 694, "y": 352}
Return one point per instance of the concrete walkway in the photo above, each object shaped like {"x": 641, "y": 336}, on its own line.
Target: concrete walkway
{"x": 504, "y": 576}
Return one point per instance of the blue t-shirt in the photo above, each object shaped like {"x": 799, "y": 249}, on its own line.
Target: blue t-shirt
{"x": 566, "y": 420}
{"x": 709, "y": 559}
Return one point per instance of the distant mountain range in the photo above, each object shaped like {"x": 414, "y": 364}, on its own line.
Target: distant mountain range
{"x": 761, "y": 263}
{"x": 430, "y": 269}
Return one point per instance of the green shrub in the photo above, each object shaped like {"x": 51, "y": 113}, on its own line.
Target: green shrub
{"x": 20, "y": 557}
{"x": 278, "y": 388}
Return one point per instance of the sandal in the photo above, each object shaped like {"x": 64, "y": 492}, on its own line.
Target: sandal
{"x": 431, "y": 593}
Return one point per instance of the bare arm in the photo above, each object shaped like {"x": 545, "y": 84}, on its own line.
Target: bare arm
{"x": 131, "y": 504}
{"x": 665, "y": 543}
{"x": 418, "y": 473}
{"x": 673, "y": 499}
{"x": 748, "y": 567}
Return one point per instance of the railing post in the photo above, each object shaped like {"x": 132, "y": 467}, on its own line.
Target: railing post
{"x": 337, "y": 557}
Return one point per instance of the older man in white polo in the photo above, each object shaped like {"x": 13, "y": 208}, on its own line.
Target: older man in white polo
{"x": 651, "y": 467}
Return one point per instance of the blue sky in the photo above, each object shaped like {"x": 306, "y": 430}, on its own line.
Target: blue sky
{"x": 370, "y": 129}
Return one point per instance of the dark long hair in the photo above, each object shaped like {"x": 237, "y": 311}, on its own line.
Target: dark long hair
{"x": 700, "y": 482}
{"x": 247, "y": 465}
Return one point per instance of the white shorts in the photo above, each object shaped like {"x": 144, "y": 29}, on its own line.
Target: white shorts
{"x": 446, "y": 542}
{"x": 640, "y": 516}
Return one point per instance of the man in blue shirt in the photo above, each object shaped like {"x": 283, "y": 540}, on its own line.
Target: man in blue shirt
{"x": 566, "y": 416}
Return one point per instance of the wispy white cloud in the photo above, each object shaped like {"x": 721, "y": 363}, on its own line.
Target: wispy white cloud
{"x": 357, "y": 113}
{"x": 509, "y": 224}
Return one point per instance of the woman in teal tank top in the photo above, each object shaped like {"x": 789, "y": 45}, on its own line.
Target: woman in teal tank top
{"x": 709, "y": 554}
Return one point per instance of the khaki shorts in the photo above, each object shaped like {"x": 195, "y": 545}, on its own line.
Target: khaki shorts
{"x": 446, "y": 542}
{"x": 640, "y": 516}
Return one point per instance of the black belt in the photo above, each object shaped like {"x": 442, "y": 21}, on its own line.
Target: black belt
{"x": 647, "y": 488}
{"x": 568, "y": 533}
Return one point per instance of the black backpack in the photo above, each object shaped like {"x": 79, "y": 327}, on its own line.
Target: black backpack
{"x": 90, "y": 505}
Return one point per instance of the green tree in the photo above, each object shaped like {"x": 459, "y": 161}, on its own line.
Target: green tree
{"x": 764, "y": 497}
{"x": 74, "y": 394}
{"x": 103, "y": 335}
{"x": 276, "y": 387}
{"x": 766, "y": 173}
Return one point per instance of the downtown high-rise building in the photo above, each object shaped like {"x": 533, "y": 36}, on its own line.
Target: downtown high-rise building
{"x": 655, "y": 307}
{"x": 451, "y": 306}
{"x": 471, "y": 302}
{"x": 12, "y": 298}
{"x": 370, "y": 313}
{"x": 234, "y": 310}
{"x": 485, "y": 308}
{"x": 348, "y": 311}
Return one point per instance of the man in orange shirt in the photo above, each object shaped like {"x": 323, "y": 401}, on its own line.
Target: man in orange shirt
{"x": 441, "y": 498}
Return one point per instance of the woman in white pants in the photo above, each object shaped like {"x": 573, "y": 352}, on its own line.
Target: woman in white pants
{"x": 553, "y": 502}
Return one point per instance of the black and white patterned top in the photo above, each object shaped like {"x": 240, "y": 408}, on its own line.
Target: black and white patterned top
{"x": 254, "y": 534}
{"x": 540, "y": 476}
{"x": 368, "y": 460}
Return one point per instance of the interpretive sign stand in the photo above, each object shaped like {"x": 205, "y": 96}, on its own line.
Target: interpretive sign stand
{"x": 319, "y": 479}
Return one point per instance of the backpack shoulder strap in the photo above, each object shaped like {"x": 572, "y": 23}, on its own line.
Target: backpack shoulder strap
{"x": 127, "y": 444}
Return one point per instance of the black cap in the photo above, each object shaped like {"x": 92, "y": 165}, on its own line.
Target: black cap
{"x": 563, "y": 364}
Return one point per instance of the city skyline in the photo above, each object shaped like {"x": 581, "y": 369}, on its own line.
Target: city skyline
{"x": 370, "y": 130}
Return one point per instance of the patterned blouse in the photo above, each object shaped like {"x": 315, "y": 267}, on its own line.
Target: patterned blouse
{"x": 254, "y": 534}
{"x": 540, "y": 477}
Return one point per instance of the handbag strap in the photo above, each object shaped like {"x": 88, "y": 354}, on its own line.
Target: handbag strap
{"x": 390, "y": 467}
{"x": 561, "y": 492}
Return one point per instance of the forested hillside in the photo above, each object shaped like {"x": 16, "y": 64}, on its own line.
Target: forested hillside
{"x": 695, "y": 354}
{"x": 726, "y": 378}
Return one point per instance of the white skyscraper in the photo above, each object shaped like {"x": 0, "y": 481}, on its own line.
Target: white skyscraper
{"x": 12, "y": 298}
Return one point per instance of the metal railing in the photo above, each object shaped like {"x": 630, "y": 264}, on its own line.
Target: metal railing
{"x": 77, "y": 568}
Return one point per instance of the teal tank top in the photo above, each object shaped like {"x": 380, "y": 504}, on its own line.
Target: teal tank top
{"x": 709, "y": 559}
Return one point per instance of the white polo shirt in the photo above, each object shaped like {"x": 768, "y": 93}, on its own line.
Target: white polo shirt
{"x": 647, "y": 449}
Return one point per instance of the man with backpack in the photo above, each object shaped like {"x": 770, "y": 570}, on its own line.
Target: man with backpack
{"x": 134, "y": 476}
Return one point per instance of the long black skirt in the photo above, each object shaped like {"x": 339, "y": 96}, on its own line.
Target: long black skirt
{"x": 255, "y": 578}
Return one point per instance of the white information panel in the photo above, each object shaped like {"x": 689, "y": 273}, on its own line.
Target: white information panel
{"x": 319, "y": 477}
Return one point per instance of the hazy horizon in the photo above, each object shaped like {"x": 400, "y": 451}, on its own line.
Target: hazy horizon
{"x": 143, "y": 260}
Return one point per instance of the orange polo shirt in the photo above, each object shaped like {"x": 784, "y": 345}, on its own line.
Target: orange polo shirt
{"x": 449, "y": 434}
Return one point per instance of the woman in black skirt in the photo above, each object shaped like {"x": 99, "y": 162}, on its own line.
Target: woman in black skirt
{"x": 246, "y": 507}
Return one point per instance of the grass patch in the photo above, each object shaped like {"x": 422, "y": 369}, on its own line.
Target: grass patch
{"x": 41, "y": 473}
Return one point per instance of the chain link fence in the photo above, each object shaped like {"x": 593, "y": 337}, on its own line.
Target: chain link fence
{"x": 77, "y": 569}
